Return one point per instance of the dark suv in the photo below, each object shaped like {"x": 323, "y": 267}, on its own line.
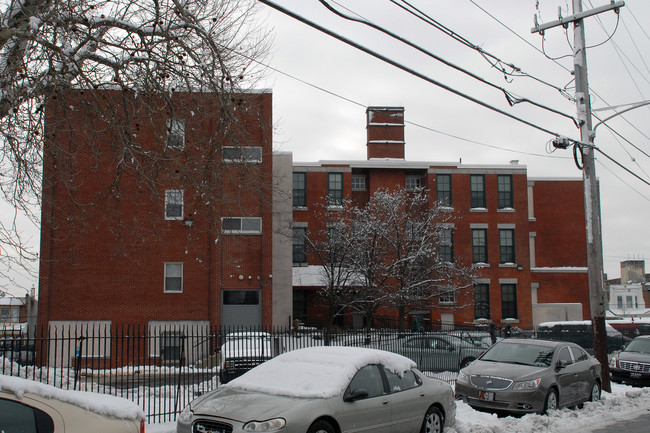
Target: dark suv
{"x": 581, "y": 333}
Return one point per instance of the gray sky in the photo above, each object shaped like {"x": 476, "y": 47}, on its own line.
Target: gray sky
{"x": 325, "y": 119}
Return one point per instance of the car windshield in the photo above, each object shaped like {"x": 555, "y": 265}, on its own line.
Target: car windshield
{"x": 520, "y": 353}
{"x": 639, "y": 345}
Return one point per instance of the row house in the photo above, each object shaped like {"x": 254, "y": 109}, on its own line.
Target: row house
{"x": 155, "y": 215}
{"x": 525, "y": 236}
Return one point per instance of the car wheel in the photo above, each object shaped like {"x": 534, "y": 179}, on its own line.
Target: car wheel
{"x": 595, "y": 392}
{"x": 321, "y": 426}
{"x": 551, "y": 400}
{"x": 433, "y": 421}
{"x": 465, "y": 362}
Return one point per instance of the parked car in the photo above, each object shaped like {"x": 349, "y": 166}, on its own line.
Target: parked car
{"x": 437, "y": 351}
{"x": 581, "y": 333}
{"x": 524, "y": 376}
{"x": 632, "y": 364}
{"x": 243, "y": 351}
{"x": 18, "y": 349}
{"x": 28, "y": 406}
{"x": 326, "y": 390}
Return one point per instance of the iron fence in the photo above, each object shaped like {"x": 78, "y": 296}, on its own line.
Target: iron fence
{"x": 163, "y": 368}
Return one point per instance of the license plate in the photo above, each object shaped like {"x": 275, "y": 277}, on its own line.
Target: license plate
{"x": 635, "y": 374}
{"x": 486, "y": 395}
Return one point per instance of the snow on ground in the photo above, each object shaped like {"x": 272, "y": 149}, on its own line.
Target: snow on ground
{"x": 624, "y": 403}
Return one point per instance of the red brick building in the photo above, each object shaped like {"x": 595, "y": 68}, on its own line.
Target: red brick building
{"x": 525, "y": 236}
{"x": 163, "y": 214}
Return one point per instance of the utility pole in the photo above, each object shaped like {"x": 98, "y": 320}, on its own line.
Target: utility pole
{"x": 590, "y": 183}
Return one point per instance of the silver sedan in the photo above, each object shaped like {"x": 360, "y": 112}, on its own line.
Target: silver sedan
{"x": 522, "y": 376}
{"x": 326, "y": 390}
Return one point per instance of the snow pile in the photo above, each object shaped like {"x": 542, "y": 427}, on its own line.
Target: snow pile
{"x": 315, "y": 372}
{"x": 99, "y": 403}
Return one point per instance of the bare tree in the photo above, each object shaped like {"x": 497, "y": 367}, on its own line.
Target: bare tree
{"x": 149, "y": 50}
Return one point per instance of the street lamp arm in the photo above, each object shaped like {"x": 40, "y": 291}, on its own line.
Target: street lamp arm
{"x": 640, "y": 104}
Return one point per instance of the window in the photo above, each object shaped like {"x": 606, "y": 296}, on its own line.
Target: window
{"x": 504, "y": 191}
{"x": 176, "y": 134}
{"x": 241, "y": 225}
{"x": 368, "y": 378}
{"x": 619, "y": 301}
{"x": 479, "y": 246}
{"x": 482, "y": 301}
{"x": 447, "y": 295}
{"x": 509, "y": 301}
{"x": 402, "y": 382}
{"x": 579, "y": 354}
{"x": 241, "y": 297}
{"x": 507, "y": 245}
{"x": 564, "y": 356}
{"x": 335, "y": 189}
{"x": 18, "y": 417}
{"x": 443, "y": 188}
{"x": 171, "y": 344}
{"x": 477, "y": 190}
{"x": 173, "y": 277}
{"x": 299, "y": 189}
{"x": 299, "y": 252}
{"x": 446, "y": 245}
{"x": 242, "y": 154}
{"x": 413, "y": 182}
{"x": 358, "y": 182}
{"x": 174, "y": 204}
{"x": 628, "y": 302}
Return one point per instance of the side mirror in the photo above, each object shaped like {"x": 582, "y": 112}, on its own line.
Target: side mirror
{"x": 357, "y": 394}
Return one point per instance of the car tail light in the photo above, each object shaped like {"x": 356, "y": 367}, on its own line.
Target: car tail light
{"x": 142, "y": 426}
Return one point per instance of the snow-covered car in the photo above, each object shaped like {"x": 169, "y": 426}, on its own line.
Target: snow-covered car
{"x": 243, "y": 351}
{"x": 28, "y": 406}
{"x": 632, "y": 364}
{"x": 326, "y": 390}
{"x": 530, "y": 376}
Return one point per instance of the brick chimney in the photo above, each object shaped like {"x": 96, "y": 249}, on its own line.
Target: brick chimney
{"x": 385, "y": 130}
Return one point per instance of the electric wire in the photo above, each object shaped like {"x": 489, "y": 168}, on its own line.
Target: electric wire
{"x": 403, "y": 67}
{"x": 621, "y": 179}
{"x": 510, "y": 97}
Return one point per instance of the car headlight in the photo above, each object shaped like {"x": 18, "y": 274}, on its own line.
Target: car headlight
{"x": 526, "y": 385}
{"x": 612, "y": 362}
{"x": 270, "y": 425}
{"x": 462, "y": 377}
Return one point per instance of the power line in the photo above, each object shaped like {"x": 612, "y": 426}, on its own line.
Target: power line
{"x": 403, "y": 67}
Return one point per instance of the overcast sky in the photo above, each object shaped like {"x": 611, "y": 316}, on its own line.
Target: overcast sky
{"x": 321, "y": 87}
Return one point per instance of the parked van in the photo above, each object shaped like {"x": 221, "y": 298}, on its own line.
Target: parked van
{"x": 580, "y": 332}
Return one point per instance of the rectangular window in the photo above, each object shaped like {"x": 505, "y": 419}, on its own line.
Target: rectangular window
{"x": 174, "y": 204}
{"x": 176, "y": 134}
{"x": 443, "y": 188}
{"x": 509, "y": 301}
{"x": 446, "y": 245}
{"x": 174, "y": 277}
{"x": 629, "y": 302}
{"x": 482, "y": 301}
{"x": 504, "y": 191}
{"x": 479, "y": 246}
{"x": 335, "y": 189}
{"x": 447, "y": 295}
{"x": 241, "y": 225}
{"x": 358, "y": 182}
{"x": 619, "y": 303}
{"x": 241, "y": 297}
{"x": 413, "y": 183}
{"x": 242, "y": 154}
{"x": 299, "y": 251}
{"x": 299, "y": 189}
{"x": 507, "y": 245}
{"x": 477, "y": 191}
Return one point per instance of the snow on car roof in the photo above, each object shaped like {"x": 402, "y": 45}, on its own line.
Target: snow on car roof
{"x": 315, "y": 372}
{"x": 99, "y": 403}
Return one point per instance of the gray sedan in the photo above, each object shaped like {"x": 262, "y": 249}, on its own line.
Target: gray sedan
{"x": 326, "y": 390}
{"x": 522, "y": 376}
{"x": 437, "y": 351}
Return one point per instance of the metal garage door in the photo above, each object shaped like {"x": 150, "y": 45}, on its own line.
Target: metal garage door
{"x": 241, "y": 308}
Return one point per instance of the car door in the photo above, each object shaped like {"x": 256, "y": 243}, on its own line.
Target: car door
{"x": 408, "y": 401}
{"x": 566, "y": 373}
{"x": 585, "y": 376}
{"x": 370, "y": 412}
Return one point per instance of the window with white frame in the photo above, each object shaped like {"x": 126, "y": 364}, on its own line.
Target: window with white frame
{"x": 334, "y": 189}
{"x": 358, "y": 182}
{"x": 242, "y": 154}
{"x": 176, "y": 134}
{"x": 413, "y": 182}
{"x": 447, "y": 295}
{"x": 241, "y": 225}
{"x": 174, "y": 204}
{"x": 173, "y": 277}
